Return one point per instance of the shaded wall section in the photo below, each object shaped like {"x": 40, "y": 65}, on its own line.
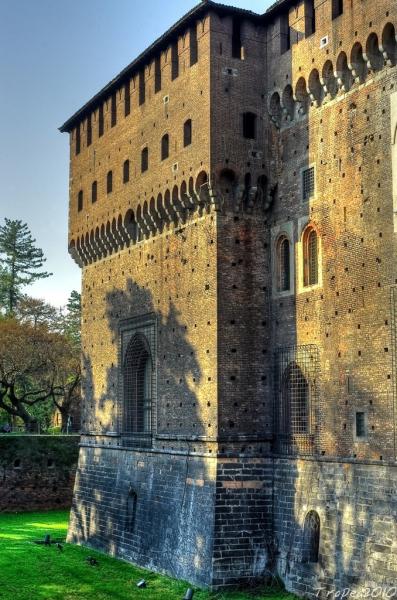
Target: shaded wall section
{"x": 37, "y": 472}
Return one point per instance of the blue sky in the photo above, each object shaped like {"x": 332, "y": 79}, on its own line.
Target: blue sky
{"x": 54, "y": 55}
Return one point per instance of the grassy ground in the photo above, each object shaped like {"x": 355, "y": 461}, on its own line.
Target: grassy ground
{"x": 36, "y": 572}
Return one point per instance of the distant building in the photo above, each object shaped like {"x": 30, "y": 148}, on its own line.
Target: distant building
{"x": 233, "y": 201}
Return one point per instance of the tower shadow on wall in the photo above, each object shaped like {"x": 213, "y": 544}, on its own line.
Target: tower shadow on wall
{"x": 170, "y": 527}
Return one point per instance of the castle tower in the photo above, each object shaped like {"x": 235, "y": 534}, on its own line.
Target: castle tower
{"x": 231, "y": 207}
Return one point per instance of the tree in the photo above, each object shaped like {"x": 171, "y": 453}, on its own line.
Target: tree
{"x": 72, "y": 318}
{"x": 36, "y": 365}
{"x": 38, "y": 312}
{"x": 20, "y": 261}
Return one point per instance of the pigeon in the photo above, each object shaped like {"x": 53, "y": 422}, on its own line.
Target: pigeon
{"x": 92, "y": 561}
{"x": 60, "y": 547}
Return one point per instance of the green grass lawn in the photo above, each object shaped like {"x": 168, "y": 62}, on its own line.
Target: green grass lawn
{"x": 32, "y": 572}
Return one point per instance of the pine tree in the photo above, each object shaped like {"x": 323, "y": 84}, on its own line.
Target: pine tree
{"x": 20, "y": 262}
{"x": 72, "y": 318}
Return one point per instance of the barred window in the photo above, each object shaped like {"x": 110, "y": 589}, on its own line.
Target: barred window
{"x": 310, "y": 257}
{"x": 283, "y": 265}
{"x": 360, "y": 426}
{"x": 311, "y": 538}
{"x": 138, "y": 373}
{"x": 295, "y": 400}
{"x": 308, "y": 183}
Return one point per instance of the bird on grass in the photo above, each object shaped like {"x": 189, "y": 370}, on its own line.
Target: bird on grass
{"x": 92, "y": 561}
{"x": 60, "y": 547}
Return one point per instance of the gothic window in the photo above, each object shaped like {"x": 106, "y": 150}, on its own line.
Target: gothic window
{"x": 109, "y": 182}
{"x": 283, "y": 264}
{"x": 145, "y": 159}
{"x": 94, "y": 192}
{"x": 80, "y": 200}
{"x": 249, "y": 125}
{"x": 295, "y": 401}
{"x": 138, "y": 375}
{"x": 310, "y": 257}
{"x": 165, "y": 146}
{"x": 126, "y": 171}
{"x": 311, "y": 538}
{"x": 187, "y": 133}
{"x": 337, "y": 8}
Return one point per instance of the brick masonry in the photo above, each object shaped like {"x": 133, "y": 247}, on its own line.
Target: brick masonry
{"x": 188, "y": 248}
{"x": 37, "y": 472}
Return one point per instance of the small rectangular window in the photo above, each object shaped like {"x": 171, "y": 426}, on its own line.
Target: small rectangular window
{"x": 80, "y": 201}
{"x": 337, "y": 8}
{"x": 109, "y": 182}
{"x": 285, "y": 33}
{"x": 78, "y": 139}
{"x": 113, "y": 105}
{"x": 308, "y": 183}
{"x": 174, "y": 61}
{"x": 187, "y": 133}
{"x": 127, "y": 99}
{"x": 157, "y": 74}
{"x": 89, "y": 130}
{"x": 142, "y": 90}
{"x": 94, "y": 192}
{"x": 100, "y": 121}
{"x": 193, "y": 46}
{"x": 361, "y": 425}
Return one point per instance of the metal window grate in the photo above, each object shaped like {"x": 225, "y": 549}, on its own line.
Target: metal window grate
{"x": 308, "y": 183}
{"x": 295, "y": 395}
{"x": 138, "y": 382}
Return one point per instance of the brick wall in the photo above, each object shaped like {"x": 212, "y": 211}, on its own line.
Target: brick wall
{"x": 37, "y": 472}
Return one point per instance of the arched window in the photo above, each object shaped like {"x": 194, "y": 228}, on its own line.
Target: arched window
{"x": 138, "y": 376}
{"x": 311, "y": 538}
{"x": 283, "y": 265}
{"x": 80, "y": 200}
{"x": 109, "y": 182}
{"x": 295, "y": 402}
{"x": 165, "y": 146}
{"x": 187, "y": 133}
{"x": 126, "y": 171}
{"x": 94, "y": 192}
{"x": 310, "y": 257}
{"x": 145, "y": 159}
{"x": 249, "y": 125}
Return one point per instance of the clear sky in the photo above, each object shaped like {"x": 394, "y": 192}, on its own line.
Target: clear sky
{"x": 54, "y": 56}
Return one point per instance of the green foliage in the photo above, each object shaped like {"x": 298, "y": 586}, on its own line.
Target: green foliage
{"x": 72, "y": 319}
{"x": 32, "y": 572}
{"x": 31, "y": 449}
{"x": 21, "y": 262}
